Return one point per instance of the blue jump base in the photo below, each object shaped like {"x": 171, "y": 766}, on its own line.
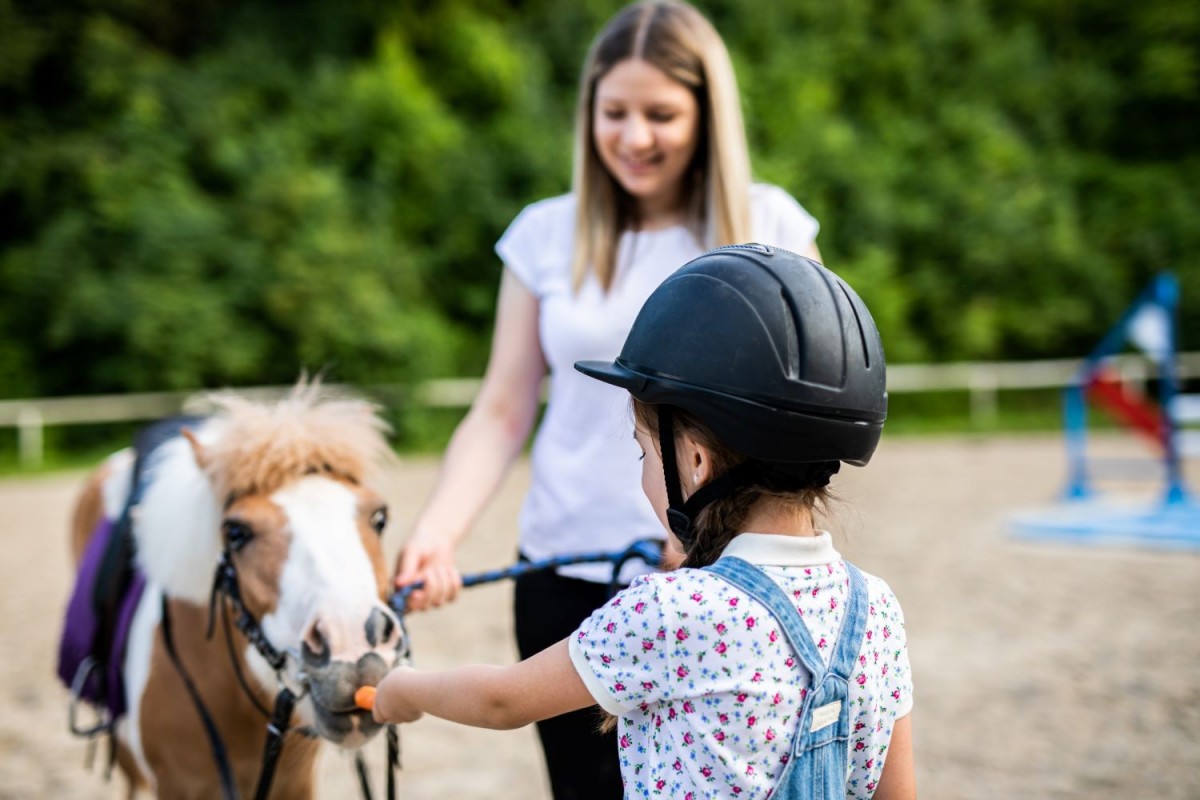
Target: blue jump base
{"x": 1171, "y": 525}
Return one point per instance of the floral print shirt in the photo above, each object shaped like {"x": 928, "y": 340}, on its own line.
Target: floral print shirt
{"x": 707, "y": 688}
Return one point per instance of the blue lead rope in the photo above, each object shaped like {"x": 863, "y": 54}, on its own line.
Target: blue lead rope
{"x": 646, "y": 550}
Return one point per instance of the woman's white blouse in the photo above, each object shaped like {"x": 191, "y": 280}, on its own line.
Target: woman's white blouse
{"x": 585, "y": 493}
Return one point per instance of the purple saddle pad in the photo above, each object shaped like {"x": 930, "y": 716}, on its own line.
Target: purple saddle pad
{"x": 102, "y": 686}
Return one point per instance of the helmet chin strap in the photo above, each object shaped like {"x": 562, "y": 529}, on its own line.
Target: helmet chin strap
{"x": 681, "y": 514}
{"x": 677, "y": 518}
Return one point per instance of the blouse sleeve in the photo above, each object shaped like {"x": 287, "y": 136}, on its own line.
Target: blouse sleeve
{"x": 780, "y": 221}
{"x": 518, "y": 249}
{"x": 622, "y": 651}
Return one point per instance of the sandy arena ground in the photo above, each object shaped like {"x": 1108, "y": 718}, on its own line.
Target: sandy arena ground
{"x": 1042, "y": 670}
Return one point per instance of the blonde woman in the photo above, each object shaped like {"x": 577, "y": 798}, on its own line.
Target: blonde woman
{"x": 661, "y": 174}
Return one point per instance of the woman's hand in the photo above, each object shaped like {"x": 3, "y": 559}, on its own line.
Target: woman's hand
{"x": 428, "y": 556}
{"x": 394, "y": 697}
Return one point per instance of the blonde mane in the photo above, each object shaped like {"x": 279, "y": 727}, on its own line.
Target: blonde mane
{"x": 262, "y": 446}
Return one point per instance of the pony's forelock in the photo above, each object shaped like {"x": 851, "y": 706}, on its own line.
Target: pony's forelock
{"x": 260, "y": 446}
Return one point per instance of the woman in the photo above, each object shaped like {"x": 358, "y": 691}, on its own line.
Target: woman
{"x": 661, "y": 174}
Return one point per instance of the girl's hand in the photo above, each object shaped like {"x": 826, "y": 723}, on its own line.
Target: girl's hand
{"x": 393, "y": 697}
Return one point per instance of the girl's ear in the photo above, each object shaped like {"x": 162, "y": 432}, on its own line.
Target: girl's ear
{"x": 695, "y": 464}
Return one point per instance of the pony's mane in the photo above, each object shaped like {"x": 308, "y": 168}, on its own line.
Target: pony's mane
{"x": 262, "y": 446}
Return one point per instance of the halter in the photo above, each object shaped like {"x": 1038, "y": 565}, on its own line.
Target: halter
{"x": 226, "y": 591}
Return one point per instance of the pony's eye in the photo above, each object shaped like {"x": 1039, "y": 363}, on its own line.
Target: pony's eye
{"x": 237, "y": 534}
{"x": 379, "y": 520}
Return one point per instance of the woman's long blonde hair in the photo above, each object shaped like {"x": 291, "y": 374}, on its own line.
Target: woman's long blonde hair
{"x": 678, "y": 40}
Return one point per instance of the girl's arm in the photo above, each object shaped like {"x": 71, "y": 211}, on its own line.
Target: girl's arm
{"x": 483, "y": 447}
{"x": 898, "y": 781}
{"x": 486, "y": 696}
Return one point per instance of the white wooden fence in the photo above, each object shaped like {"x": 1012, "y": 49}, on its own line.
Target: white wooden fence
{"x": 981, "y": 380}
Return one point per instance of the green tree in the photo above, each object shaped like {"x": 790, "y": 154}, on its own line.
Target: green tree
{"x": 218, "y": 192}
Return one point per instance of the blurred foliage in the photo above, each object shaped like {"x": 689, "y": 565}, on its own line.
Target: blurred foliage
{"x": 210, "y": 192}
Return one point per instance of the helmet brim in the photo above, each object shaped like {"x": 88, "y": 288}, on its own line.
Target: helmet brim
{"x": 612, "y": 372}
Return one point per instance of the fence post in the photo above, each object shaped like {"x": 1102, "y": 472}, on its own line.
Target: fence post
{"x": 29, "y": 436}
{"x": 982, "y": 385}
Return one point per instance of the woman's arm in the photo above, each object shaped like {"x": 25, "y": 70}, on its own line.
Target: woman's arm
{"x": 486, "y": 696}
{"x": 898, "y": 781}
{"x": 483, "y": 447}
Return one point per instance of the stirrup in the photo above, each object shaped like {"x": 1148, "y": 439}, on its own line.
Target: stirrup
{"x": 106, "y": 722}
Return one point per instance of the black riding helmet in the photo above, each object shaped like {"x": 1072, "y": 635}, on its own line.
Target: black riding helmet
{"x": 773, "y": 352}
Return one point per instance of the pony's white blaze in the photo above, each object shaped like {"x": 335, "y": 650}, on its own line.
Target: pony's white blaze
{"x": 328, "y": 576}
{"x": 178, "y": 523}
{"x": 138, "y": 650}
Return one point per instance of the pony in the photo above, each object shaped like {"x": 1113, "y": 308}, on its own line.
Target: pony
{"x": 275, "y": 500}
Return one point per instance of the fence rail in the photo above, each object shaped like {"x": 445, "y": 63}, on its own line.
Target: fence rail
{"x": 982, "y": 381}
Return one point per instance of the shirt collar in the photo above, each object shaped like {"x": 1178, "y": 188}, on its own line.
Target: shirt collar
{"x": 783, "y": 551}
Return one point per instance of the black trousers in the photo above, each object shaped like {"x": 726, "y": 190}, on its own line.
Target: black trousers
{"x": 581, "y": 761}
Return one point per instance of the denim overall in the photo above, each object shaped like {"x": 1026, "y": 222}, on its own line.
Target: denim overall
{"x": 816, "y": 767}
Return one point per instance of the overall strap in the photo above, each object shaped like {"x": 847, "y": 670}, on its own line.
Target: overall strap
{"x": 854, "y": 625}
{"x": 754, "y": 582}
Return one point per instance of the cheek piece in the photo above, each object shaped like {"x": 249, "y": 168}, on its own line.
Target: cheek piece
{"x": 681, "y": 514}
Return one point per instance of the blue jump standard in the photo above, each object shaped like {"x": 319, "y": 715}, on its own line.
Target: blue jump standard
{"x": 1172, "y": 524}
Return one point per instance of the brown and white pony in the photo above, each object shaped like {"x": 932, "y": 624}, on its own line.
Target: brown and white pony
{"x": 284, "y": 490}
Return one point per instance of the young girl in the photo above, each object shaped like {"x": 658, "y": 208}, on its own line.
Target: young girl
{"x": 662, "y": 174}
{"x": 766, "y": 665}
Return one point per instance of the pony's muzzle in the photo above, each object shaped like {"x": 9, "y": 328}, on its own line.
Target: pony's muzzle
{"x": 332, "y": 689}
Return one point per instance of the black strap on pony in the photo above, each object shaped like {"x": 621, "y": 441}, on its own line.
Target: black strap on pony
{"x": 277, "y": 728}
{"x": 220, "y": 756}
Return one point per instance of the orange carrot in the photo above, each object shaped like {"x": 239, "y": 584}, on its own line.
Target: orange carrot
{"x": 364, "y": 697}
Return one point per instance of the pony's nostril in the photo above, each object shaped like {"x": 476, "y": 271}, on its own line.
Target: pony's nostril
{"x": 380, "y": 628}
{"x": 315, "y": 648}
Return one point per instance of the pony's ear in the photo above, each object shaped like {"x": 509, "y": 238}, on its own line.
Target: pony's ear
{"x": 198, "y": 450}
